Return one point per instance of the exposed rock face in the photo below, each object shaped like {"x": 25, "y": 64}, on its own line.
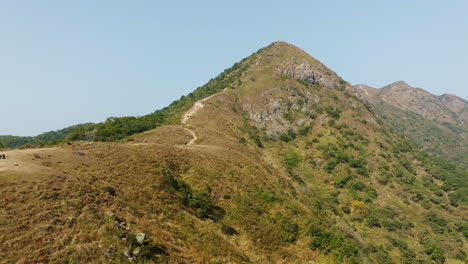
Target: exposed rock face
{"x": 311, "y": 73}
{"x": 270, "y": 113}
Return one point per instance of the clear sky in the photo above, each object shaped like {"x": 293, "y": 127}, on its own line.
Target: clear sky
{"x": 65, "y": 62}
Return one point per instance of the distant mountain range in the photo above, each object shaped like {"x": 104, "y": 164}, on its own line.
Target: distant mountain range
{"x": 439, "y": 124}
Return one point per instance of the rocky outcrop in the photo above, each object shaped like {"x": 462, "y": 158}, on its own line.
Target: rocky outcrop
{"x": 314, "y": 72}
{"x": 272, "y": 112}
{"x": 311, "y": 73}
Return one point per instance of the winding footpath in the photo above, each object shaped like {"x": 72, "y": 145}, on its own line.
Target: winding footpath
{"x": 190, "y": 113}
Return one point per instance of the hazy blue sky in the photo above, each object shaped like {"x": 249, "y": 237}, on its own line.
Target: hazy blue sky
{"x": 67, "y": 62}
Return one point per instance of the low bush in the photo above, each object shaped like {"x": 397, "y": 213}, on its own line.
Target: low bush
{"x": 228, "y": 230}
{"x": 110, "y": 190}
{"x": 342, "y": 248}
{"x": 291, "y": 160}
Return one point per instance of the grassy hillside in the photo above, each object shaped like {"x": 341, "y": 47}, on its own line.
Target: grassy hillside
{"x": 289, "y": 166}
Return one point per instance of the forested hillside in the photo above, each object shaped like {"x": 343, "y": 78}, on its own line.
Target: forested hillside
{"x": 47, "y": 138}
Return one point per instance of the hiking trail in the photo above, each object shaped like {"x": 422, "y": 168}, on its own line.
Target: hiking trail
{"x": 190, "y": 113}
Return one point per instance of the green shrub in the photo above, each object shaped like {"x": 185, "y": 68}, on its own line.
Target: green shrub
{"x": 203, "y": 205}
{"x": 291, "y": 134}
{"x": 291, "y": 160}
{"x": 228, "y": 230}
{"x": 435, "y": 253}
{"x": 391, "y": 224}
{"x": 357, "y": 163}
{"x": 465, "y": 229}
{"x": 407, "y": 254}
{"x": 342, "y": 181}
{"x": 288, "y": 116}
{"x": 333, "y": 112}
{"x": 459, "y": 196}
{"x": 363, "y": 171}
{"x": 284, "y": 137}
{"x": 372, "y": 220}
{"x": 437, "y": 223}
{"x": 312, "y": 115}
{"x": 110, "y": 190}
{"x": 383, "y": 179}
{"x": 331, "y": 164}
{"x": 269, "y": 197}
{"x": 304, "y": 130}
{"x": 342, "y": 248}
{"x": 380, "y": 255}
{"x": 371, "y": 194}
{"x": 346, "y": 209}
{"x": 289, "y": 229}
{"x": 184, "y": 191}
{"x": 356, "y": 185}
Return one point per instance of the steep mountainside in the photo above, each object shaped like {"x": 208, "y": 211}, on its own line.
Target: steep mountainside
{"x": 437, "y": 123}
{"x": 277, "y": 160}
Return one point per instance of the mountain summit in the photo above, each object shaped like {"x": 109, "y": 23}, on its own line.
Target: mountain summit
{"x": 276, "y": 160}
{"x": 286, "y": 59}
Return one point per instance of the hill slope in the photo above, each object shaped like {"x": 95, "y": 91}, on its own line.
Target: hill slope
{"x": 437, "y": 123}
{"x": 284, "y": 163}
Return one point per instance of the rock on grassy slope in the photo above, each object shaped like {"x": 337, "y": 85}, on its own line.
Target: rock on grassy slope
{"x": 439, "y": 124}
{"x": 289, "y": 166}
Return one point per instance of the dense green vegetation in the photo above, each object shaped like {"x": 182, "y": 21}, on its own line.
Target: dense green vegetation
{"x": 444, "y": 140}
{"x": 342, "y": 248}
{"x": 47, "y": 138}
{"x": 453, "y": 177}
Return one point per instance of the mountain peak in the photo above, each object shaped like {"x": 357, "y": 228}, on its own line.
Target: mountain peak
{"x": 286, "y": 59}
{"x": 399, "y": 84}
{"x": 281, "y": 43}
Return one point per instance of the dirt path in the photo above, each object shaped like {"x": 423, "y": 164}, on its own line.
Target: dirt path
{"x": 190, "y": 113}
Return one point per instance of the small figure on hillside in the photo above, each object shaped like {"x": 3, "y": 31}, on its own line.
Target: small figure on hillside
{"x": 2, "y": 156}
